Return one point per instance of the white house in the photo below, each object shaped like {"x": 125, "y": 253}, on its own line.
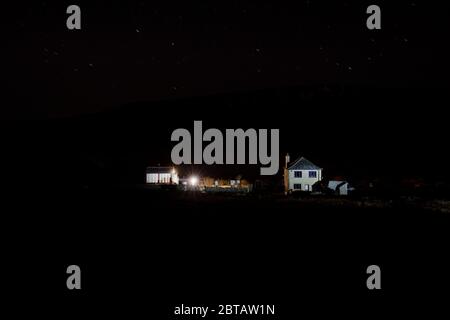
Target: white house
{"x": 300, "y": 175}
{"x": 161, "y": 175}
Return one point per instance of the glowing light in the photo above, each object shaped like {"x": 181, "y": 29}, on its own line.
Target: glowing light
{"x": 193, "y": 181}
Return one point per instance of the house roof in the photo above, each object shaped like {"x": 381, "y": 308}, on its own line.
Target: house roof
{"x": 303, "y": 164}
{"x": 159, "y": 169}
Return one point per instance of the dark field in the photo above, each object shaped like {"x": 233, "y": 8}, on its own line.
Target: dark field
{"x": 144, "y": 251}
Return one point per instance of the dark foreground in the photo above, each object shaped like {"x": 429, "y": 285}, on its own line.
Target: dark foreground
{"x": 144, "y": 252}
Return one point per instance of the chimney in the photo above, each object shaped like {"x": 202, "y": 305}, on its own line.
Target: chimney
{"x": 288, "y": 159}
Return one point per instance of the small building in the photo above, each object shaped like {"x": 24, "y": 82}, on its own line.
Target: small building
{"x": 161, "y": 175}
{"x": 300, "y": 175}
{"x": 339, "y": 187}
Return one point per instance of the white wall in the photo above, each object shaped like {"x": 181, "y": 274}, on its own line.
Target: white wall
{"x": 152, "y": 178}
{"x": 162, "y": 178}
{"x": 158, "y": 178}
{"x": 305, "y": 180}
{"x": 343, "y": 191}
{"x": 175, "y": 178}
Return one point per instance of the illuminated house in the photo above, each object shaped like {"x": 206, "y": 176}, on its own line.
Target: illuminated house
{"x": 161, "y": 175}
{"x": 300, "y": 175}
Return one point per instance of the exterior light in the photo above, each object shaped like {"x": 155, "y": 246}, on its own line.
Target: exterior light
{"x": 193, "y": 181}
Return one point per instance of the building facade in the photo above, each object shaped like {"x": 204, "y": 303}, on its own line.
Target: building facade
{"x": 300, "y": 175}
{"x": 161, "y": 175}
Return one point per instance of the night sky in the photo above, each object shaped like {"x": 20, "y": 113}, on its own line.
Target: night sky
{"x": 134, "y": 51}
